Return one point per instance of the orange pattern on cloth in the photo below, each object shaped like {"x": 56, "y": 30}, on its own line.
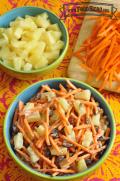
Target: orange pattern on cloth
{"x": 9, "y": 87}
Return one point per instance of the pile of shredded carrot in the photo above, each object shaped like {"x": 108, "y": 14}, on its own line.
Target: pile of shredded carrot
{"x": 100, "y": 52}
{"x": 57, "y": 131}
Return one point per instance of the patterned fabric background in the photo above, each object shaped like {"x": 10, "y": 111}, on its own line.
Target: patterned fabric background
{"x": 10, "y": 87}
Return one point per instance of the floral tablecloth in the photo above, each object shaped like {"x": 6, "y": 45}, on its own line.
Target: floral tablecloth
{"x": 9, "y": 87}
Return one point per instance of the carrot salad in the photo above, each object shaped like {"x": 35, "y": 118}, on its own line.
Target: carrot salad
{"x": 60, "y": 132}
{"x": 100, "y": 52}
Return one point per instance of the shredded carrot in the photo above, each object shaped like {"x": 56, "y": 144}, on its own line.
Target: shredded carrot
{"x": 70, "y": 84}
{"x": 68, "y": 112}
{"x": 36, "y": 134}
{"x": 87, "y": 112}
{"x": 100, "y": 51}
{"x": 79, "y": 135}
{"x": 59, "y": 92}
{"x": 94, "y": 133}
{"x": 46, "y": 133}
{"x": 84, "y": 157}
{"x": 82, "y": 136}
{"x": 24, "y": 155}
{"x": 47, "y": 88}
{"x": 73, "y": 158}
{"x": 64, "y": 119}
{"x": 99, "y": 149}
{"x": 57, "y": 124}
{"x": 53, "y": 159}
{"x": 62, "y": 88}
{"x": 24, "y": 134}
{"x": 72, "y": 92}
{"x": 74, "y": 116}
{"x": 78, "y": 121}
{"x": 60, "y": 127}
{"x": 28, "y": 129}
{"x": 54, "y": 145}
{"x": 42, "y": 156}
{"x": 40, "y": 142}
{"x": 83, "y": 126}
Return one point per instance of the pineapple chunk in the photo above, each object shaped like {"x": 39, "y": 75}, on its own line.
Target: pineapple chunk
{"x": 59, "y": 45}
{"x": 52, "y": 55}
{"x": 42, "y": 62}
{"x": 54, "y": 117}
{"x": 79, "y": 107}
{"x": 8, "y": 62}
{"x": 9, "y": 33}
{"x": 33, "y": 156}
{"x": 38, "y": 49}
{"x": 27, "y": 24}
{"x": 87, "y": 138}
{"x": 72, "y": 133}
{"x": 82, "y": 109}
{"x": 38, "y": 60}
{"x": 44, "y": 15}
{"x": 41, "y": 47}
{"x": 81, "y": 165}
{"x": 17, "y": 63}
{"x": 48, "y": 38}
{"x": 28, "y": 16}
{"x": 62, "y": 151}
{"x": 41, "y": 130}
{"x": 18, "y": 140}
{"x": 27, "y": 67}
{"x": 18, "y": 44}
{"x": 48, "y": 95}
{"x": 56, "y": 34}
{"x": 28, "y": 106}
{"x": 54, "y": 27}
{"x": 37, "y": 34}
{"x": 18, "y": 33}
{"x": 96, "y": 119}
{"x": 42, "y": 22}
{"x": 3, "y": 42}
{"x": 85, "y": 95}
{"x": 4, "y": 52}
{"x": 64, "y": 103}
{"x": 64, "y": 164}
{"x": 33, "y": 117}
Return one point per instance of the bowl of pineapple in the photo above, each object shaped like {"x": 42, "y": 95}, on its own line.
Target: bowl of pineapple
{"x": 33, "y": 41}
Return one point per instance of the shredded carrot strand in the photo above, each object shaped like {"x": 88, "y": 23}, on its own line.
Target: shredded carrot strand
{"x": 54, "y": 145}
{"x": 28, "y": 129}
{"x": 24, "y": 155}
